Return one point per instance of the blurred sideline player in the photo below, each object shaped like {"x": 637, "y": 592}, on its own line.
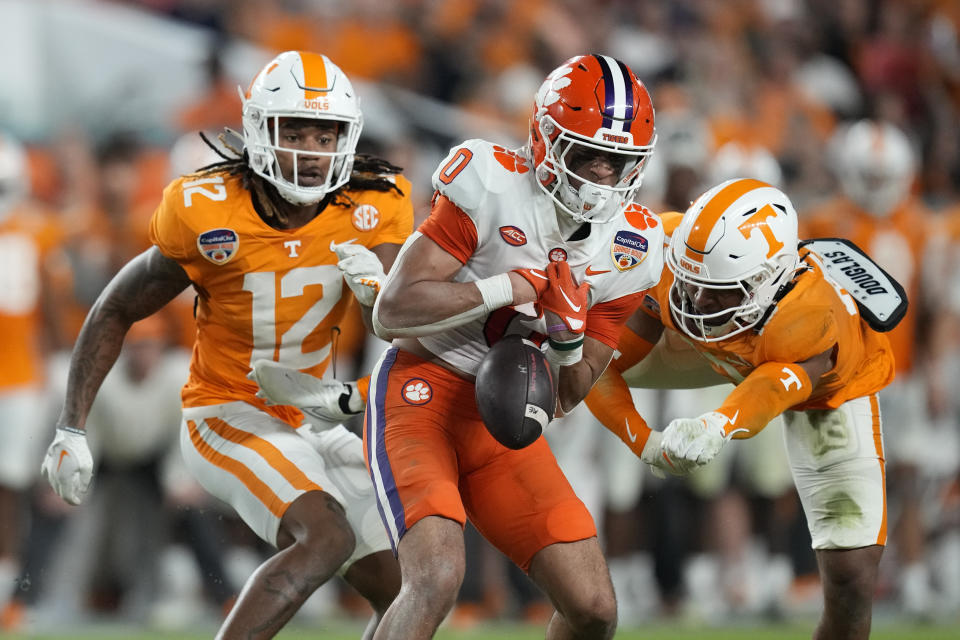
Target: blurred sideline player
{"x": 115, "y": 543}
{"x": 876, "y": 166}
{"x": 266, "y": 239}
{"x": 767, "y": 318}
{"x": 29, "y": 249}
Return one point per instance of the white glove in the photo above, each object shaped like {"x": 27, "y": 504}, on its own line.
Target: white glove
{"x": 654, "y": 455}
{"x": 327, "y": 402}
{"x": 696, "y": 440}
{"x": 339, "y": 446}
{"x": 68, "y": 465}
{"x": 361, "y": 269}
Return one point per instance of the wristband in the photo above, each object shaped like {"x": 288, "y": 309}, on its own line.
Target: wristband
{"x": 566, "y": 345}
{"x": 497, "y": 291}
{"x": 557, "y": 327}
{"x": 345, "y": 401}
{"x": 73, "y": 430}
{"x": 567, "y": 354}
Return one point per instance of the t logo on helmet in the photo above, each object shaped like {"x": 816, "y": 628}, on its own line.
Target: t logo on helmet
{"x": 759, "y": 221}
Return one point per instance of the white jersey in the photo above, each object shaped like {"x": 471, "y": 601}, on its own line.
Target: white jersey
{"x": 516, "y": 227}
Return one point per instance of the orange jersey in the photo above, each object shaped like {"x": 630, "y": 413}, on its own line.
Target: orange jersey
{"x": 895, "y": 243}
{"x": 264, "y": 292}
{"x": 27, "y": 237}
{"x": 810, "y": 319}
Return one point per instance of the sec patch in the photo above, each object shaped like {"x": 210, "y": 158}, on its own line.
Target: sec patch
{"x": 218, "y": 245}
{"x": 365, "y": 217}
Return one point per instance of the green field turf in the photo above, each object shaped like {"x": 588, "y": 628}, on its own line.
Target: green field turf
{"x": 659, "y": 631}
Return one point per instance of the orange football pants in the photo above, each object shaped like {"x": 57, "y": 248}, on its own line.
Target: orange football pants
{"x": 429, "y": 454}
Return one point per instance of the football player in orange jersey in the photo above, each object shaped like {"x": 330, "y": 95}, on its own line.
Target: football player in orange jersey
{"x": 767, "y": 317}
{"x": 29, "y": 247}
{"x": 267, "y": 240}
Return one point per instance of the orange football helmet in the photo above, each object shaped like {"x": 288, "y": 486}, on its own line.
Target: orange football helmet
{"x": 591, "y": 103}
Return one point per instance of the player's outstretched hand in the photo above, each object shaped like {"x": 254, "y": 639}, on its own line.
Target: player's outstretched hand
{"x": 565, "y": 298}
{"x": 660, "y": 462}
{"x": 696, "y": 440}
{"x": 362, "y": 270}
{"x": 327, "y": 402}
{"x": 68, "y": 465}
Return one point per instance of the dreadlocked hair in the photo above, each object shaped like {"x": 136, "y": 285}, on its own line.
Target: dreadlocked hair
{"x": 369, "y": 173}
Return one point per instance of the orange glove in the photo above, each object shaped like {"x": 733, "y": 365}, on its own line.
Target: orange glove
{"x": 564, "y": 298}
{"x": 537, "y": 279}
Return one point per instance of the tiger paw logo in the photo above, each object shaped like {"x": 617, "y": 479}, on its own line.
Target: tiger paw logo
{"x": 510, "y": 160}
{"x": 417, "y": 391}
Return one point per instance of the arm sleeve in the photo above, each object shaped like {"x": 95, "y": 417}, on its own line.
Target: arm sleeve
{"x": 605, "y": 321}
{"x": 611, "y": 403}
{"x": 632, "y": 350}
{"x": 450, "y": 228}
{"x": 768, "y": 391}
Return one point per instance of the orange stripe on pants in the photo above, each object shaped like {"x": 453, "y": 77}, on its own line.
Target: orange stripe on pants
{"x": 878, "y": 445}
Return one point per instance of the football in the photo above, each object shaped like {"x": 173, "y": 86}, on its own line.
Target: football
{"x": 515, "y": 392}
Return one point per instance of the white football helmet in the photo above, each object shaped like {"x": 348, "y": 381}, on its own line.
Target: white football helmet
{"x": 740, "y": 236}
{"x": 299, "y": 84}
{"x": 735, "y": 159}
{"x": 13, "y": 174}
{"x": 875, "y": 165}
{"x": 588, "y": 104}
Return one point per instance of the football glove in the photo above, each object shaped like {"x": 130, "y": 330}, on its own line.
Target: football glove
{"x": 696, "y": 440}
{"x": 564, "y": 298}
{"x": 661, "y": 463}
{"x": 327, "y": 402}
{"x": 68, "y": 465}
{"x": 361, "y": 269}
{"x": 537, "y": 279}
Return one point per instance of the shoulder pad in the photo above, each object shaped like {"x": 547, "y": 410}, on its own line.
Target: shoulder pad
{"x": 881, "y": 299}
{"x": 477, "y": 168}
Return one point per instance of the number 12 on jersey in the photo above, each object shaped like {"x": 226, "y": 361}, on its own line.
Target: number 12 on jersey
{"x": 269, "y": 309}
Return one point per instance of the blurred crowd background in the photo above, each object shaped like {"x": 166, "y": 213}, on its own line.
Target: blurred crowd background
{"x": 851, "y": 106}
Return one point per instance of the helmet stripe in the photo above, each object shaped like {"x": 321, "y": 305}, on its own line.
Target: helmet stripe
{"x": 628, "y": 115}
{"x": 706, "y": 218}
{"x": 314, "y": 75}
{"x": 618, "y": 93}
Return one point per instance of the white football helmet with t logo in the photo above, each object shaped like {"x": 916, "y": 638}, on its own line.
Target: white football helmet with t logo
{"x": 299, "y": 84}
{"x": 736, "y": 243}
{"x": 875, "y": 164}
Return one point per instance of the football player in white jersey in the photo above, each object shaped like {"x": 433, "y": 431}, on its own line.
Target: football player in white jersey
{"x": 553, "y": 224}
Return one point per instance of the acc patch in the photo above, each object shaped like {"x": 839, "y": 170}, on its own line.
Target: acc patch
{"x": 218, "y": 245}
{"x": 417, "y": 391}
{"x": 629, "y": 249}
{"x": 513, "y": 236}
